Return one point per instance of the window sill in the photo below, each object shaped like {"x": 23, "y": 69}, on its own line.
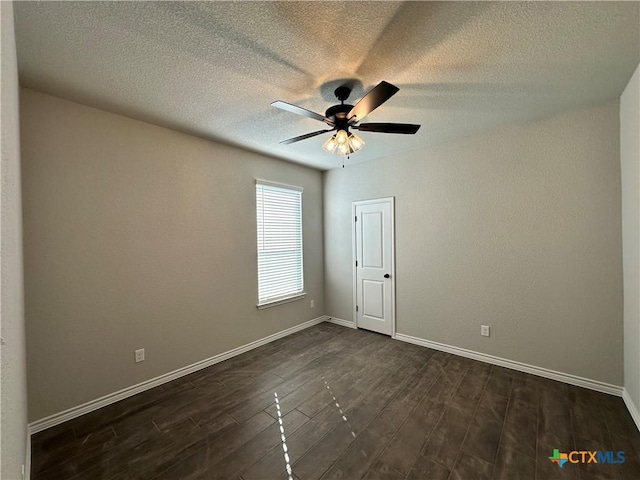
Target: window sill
{"x": 275, "y": 303}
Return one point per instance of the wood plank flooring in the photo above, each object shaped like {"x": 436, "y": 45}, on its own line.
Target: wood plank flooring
{"x": 351, "y": 404}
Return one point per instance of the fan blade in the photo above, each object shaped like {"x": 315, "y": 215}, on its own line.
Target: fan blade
{"x": 372, "y": 100}
{"x": 300, "y": 111}
{"x": 387, "y": 127}
{"x": 304, "y": 137}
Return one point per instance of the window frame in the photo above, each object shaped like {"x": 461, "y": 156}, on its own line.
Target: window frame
{"x": 292, "y": 296}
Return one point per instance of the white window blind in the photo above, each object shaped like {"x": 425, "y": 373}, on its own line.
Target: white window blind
{"x": 280, "y": 269}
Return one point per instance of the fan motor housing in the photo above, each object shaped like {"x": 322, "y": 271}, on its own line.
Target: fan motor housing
{"x": 338, "y": 113}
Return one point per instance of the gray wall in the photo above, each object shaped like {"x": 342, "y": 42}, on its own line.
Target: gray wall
{"x": 630, "y": 172}
{"x": 518, "y": 228}
{"x": 13, "y": 361}
{"x": 139, "y": 236}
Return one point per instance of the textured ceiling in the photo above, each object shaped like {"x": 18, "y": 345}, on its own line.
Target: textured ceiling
{"x": 213, "y": 68}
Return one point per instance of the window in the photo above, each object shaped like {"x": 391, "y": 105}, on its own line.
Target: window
{"x": 280, "y": 270}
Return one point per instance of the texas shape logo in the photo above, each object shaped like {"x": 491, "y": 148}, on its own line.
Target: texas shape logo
{"x": 559, "y": 458}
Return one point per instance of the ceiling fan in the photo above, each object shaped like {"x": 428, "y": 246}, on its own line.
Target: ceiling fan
{"x": 343, "y": 117}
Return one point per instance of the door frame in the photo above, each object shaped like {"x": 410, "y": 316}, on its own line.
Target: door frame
{"x": 354, "y": 256}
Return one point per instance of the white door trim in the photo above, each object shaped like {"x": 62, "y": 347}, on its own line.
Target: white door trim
{"x": 391, "y": 201}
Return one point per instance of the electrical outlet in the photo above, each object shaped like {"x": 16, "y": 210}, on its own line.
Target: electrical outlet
{"x": 139, "y": 355}
{"x": 312, "y": 303}
{"x": 484, "y": 330}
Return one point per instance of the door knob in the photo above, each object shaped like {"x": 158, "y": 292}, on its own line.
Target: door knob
{"x": 386, "y": 275}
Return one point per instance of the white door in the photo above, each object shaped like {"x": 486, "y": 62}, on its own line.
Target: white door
{"x": 374, "y": 269}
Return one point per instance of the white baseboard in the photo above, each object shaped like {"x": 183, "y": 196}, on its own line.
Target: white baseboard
{"x": 339, "y": 321}
{"x": 80, "y": 410}
{"x": 519, "y": 366}
{"x": 70, "y": 414}
{"x": 633, "y": 410}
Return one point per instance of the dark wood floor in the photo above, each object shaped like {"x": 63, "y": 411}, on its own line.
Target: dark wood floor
{"x": 400, "y": 412}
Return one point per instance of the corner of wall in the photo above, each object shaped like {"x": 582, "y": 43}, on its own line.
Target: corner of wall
{"x": 630, "y": 199}
{"x": 633, "y": 410}
{"x": 15, "y": 438}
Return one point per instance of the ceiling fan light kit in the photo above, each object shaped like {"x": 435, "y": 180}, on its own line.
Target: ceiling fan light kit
{"x": 342, "y": 117}
{"x": 343, "y": 143}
